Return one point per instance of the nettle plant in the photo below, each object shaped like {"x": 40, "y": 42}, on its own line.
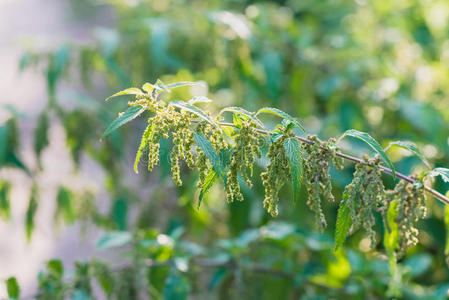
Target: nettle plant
{"x": 227, "y": 151}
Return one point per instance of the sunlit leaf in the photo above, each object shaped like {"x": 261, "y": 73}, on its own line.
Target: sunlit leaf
{"x": 148, "y": 88}
{"x": 391, "y": 237}
{"x": 147, "y": 135}
{"x": 280, "y": 113}
{"x": 410, "y": 147}
{"x": 343, "y": 222}
{"x": 443, "y": 172}
{"x": 195, "y": 110}
{"x": 243, "y": 112}
{"x": 179, "y": 84}
{"x": 199, "y": 99}
{"x": 208, "y": 183}
{"x": 373, "y": 144}
{"x": 129, "y": 91}
{"x": 293, "y": 152}
{"x": 130, "y": 114}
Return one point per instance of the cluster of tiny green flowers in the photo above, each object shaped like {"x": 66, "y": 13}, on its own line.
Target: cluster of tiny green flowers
{"x": 277, "y": 173}
{"x": 411, "y": 208}
{"x": 166, "y": 120}
{"x": 243, "y": 155}
{"x": 365, "y": 194}
{"x": 317, "y": 157}
{"x": 182, "y": 145}
{"x": 337, "y": 161}
{"x": 158, "y": 127}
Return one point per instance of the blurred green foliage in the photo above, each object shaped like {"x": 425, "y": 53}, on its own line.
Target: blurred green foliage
{"x": 375, "y": 66}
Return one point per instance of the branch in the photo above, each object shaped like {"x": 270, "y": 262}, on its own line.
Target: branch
{"x": 431, "y": 191}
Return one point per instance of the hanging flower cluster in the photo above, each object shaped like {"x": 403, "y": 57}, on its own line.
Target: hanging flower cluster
{"x": 244, "y": 154}
{"x": 365, "y": 194}
{"x": 277, "y": 173}
{"x": 410, "y": 208}
{"x": 317, "y": 158}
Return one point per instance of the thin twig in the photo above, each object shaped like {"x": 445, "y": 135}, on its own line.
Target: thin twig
{"x": 431, "y": 191}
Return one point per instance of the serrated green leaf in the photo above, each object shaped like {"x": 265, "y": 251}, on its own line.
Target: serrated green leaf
{"x": 179, "y": 84}
{"x": 114, "y": 239}
{"x": 343, "y": 222}
{"x": 148, "y": 88}
{"x": 147, "y": 135}
{"x": 443, "y": 172}
{"x": 129, "y": 91}
{"x": 31, "y": 211}
{"x": 446, "y": 225}
{"x": 293, "y": 152}
{"x": 410, "y": 147}
{"x": 208, "y": 183}
{"x": 237, "y": 121}
{"x": 195, "y": 110}
{"x": 161, "y": 85}
{"x": 199, "y": 99}
{"x": 373, "y": 144}
{"x": 130, "y": 114}
{"x": 280, "y": 113}
{"x": 205, "y": 146}
{"x": 12, "y": 288}
{"x": 243, "y": 112}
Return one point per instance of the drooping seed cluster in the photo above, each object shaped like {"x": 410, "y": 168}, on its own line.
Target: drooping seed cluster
{"x": 365, "y": 194}
{"x": 243, "y": 155}
{"x": 277, "y": 173}
{"x": 316, "y": 159}
{"x": 182, "y": 146}
{"x": 410, "y": 208}
{"x": 167, "y": 120}
{"x": 158, "y": 127}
